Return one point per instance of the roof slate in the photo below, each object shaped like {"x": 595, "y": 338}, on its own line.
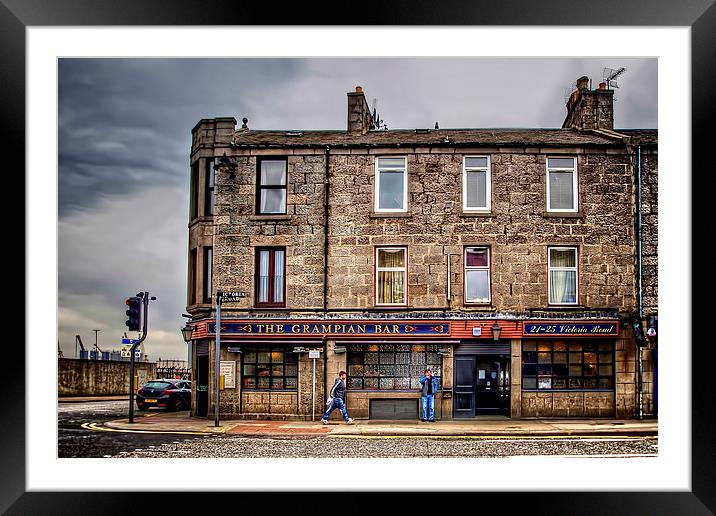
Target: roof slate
{"x": 432, "y": 137}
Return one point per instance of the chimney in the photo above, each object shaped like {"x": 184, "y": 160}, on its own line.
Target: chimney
{"x": 359, "y": 117}
{"x": 590, "y": 109}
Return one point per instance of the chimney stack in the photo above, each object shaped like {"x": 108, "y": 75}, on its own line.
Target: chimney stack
{"x": 359, "y": 116}
{"x": 590, "y": 109}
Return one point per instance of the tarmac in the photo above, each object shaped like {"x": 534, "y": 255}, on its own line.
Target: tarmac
{"x": 481, "y": 427}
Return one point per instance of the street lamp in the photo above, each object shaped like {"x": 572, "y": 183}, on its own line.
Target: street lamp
{"x": 496, "y": 331}
{"x": 187, "y": 332}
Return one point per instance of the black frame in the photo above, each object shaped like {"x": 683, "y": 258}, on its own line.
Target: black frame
{"x": 385, "y": 354}
{"x": 699, "y": 16}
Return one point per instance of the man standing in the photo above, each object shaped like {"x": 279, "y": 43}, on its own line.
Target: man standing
{"x": 429, "y": 386}
{"x": 337, "y": 398}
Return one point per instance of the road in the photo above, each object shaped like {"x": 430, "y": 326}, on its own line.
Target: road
{"x": 76, "y": 441}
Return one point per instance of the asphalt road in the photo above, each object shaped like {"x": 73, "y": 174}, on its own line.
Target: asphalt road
{"x": 75, "y": 441}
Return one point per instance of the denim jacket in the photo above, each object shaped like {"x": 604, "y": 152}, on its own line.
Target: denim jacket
{"x": 424, "y": 385}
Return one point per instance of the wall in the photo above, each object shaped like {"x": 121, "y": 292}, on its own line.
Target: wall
{"x": 99, "y": 377}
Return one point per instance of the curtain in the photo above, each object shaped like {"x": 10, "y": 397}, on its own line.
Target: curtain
{"x": 278, "y": 277}
{"x": 391, "y": 284}
{"x": 563, "y": 283}
{"x": 561, "y": 196}
{"x": 263, "y": 276}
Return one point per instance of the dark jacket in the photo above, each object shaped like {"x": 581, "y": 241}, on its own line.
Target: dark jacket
{"x": 338, "y": 390}
{"x": 424, "y": 385}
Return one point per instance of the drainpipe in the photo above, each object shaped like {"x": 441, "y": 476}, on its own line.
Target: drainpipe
{"x": 325, "y": 234}
{"x": 639, "y": 272}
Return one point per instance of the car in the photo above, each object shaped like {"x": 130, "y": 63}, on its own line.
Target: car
{"x": 165, "y": 393}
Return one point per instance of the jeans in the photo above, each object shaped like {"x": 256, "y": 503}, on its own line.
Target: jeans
{"x": 429, "y": 405}
{"x": 337, "y": 404}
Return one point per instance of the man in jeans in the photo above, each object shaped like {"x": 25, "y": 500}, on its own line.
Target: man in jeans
{"x": 429, "y": 385}
{"x": 338, "y": 393}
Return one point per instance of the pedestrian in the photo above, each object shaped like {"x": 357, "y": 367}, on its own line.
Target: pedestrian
{"x": 337, "y": 399}
{"x": 429, "y": 386}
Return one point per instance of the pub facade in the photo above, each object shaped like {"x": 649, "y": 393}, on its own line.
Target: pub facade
{"x": 511, "y": 262}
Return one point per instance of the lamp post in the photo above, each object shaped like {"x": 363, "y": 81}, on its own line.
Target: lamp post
{"x": 496, "y": 331}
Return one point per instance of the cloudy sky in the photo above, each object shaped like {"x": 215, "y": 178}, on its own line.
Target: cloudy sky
{"x": 125, "y": 133}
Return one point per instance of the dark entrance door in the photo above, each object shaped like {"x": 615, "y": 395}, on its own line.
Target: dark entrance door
{"x": 482, "y": 385}
{"x": 202, "y": 385}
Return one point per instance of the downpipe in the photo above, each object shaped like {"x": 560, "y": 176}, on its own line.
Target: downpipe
{"x": 640, "y": 361}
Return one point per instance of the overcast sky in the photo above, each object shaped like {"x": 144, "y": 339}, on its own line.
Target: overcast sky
{"x": 125, "y": 134}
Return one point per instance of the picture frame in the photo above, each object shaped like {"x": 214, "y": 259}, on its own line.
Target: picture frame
{"x": 17, "y": 15}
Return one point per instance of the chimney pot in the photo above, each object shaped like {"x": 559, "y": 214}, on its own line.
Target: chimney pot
{"x": 359, "y": 89}
{"x": 602, "y": 85}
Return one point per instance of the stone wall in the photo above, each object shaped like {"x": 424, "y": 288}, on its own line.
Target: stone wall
{"x": 568, "y": 404}
{"x": 650, "y": 230}
{"x": 99, "y": 377}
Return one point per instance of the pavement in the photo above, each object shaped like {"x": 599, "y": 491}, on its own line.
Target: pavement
{"x": 486, "y": 426}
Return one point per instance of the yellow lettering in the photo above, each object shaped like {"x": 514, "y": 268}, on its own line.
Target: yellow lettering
{"x": 351, "y": 329}
{"x": 361, "y": 328}
{"x": 296, "y": 328}
{"x": 315, "y": 329}
{"x": 326, "y": 328}
{"x": 395, "y": 329}
{"x": 279, "y": 328}
{"x": 305, "y": 328}
{"x": 260, "y": 328}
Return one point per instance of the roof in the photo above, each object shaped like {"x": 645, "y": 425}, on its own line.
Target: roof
{"x": 427, "y": 137}
{"x": 645, "y": 136}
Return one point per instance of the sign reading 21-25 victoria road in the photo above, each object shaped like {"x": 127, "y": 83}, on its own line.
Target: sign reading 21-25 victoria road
{"x": 571, "y": 329}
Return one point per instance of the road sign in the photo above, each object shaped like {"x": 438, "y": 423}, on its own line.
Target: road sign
{"x": 129, "y": 341}
{"x": 314, "y": 353}
{"x": 233, "y": 296}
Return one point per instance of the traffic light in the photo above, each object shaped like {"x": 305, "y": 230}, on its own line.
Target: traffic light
{"x": 638, "y": 333}
{"x": 133, "y": 313}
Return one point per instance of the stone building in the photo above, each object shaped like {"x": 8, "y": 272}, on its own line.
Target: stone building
{"x": 511, "y": 261}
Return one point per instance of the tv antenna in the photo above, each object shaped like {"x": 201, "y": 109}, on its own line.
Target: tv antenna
{"x": 376, "y": 122}
{"x": 610, "y": 75}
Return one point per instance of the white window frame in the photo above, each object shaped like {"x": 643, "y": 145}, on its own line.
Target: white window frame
{"x": 575, "y": 183}
{"x": 475, "y": 268}
{"x": 488, "y": 184}
{"x": 390, "y": 269}
{"x": 550, "y": 269}
{"x": 378, "y": 168}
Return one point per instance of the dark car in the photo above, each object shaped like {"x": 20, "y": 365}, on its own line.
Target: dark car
{"x": 164, "y": 393}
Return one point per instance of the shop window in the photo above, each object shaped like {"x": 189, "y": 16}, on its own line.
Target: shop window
{"x": 391, "y": 276}
{"x": 562, "y": 275}
{"x": 477, "y": 275}
{"x": 270, "y": 277}
{"x": 391, "y": 185}
{"x": 562, "y": 184}
{"x": 391, "y": 366}
{"x": 271, "y": 187}
{"x": 560, "y": 365}
{"x": 476, "y": 184}
{"x": 266, "y": 368}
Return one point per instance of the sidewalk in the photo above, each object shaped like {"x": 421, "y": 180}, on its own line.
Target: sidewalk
{"x": 481, "y": 427}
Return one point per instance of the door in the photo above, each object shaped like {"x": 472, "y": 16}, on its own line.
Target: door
{"x": 464, "y": 399}
{"x": 492, "y": 388}
{"x": 202, "y": 385}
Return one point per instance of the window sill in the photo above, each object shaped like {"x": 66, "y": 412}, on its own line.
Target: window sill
{"x": 203, "y": 218}
{"x": 390, "y": 214}
{"x": 477, "y": 213}
{"x": 563, "y": 214}
{"x": 269, "y": 217}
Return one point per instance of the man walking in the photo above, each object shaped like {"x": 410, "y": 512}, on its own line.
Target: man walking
{"x": 337, "y": 398}
{"x": 429, "y": 386}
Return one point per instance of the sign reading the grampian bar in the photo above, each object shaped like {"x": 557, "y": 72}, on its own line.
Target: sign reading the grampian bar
{"x": 571, "y": 329}
{"x": 293, "y": 328}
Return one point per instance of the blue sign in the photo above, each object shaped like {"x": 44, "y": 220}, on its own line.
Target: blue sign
{"x": 289, "y": 328}
{"x": 130, "y": 341}
{"x": 571, "y": 329}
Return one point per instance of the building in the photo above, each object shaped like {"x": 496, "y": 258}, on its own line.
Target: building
{"x": 513, "y": 262}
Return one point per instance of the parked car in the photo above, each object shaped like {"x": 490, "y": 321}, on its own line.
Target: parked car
{"x": 167, "y": 393}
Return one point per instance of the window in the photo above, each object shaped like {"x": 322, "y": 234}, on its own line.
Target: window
{"x": 477, "y": 275}
{"x": 271, "y": 276}
{"x": 562, "y": 277}
{"x": 192, "y": 277}
{"x": 564, "y": 365}
{"x": 269, "y": 368}
{"x": 391, "y": 184}
{"x": 476, "y": 185}
{"x": 209, "y": 183}
{"x": 194, "y": 192}
{"x": 391, "y": 276}
{"x": 562, "y": 184}
{"x": 272, "y": 186}
{"x": 208, "y": 257}
{"x": 391, "y": 366}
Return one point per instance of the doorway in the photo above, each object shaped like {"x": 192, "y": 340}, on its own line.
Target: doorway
{"x": 482, "y": 385}
{"x": 202, "y": 385}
